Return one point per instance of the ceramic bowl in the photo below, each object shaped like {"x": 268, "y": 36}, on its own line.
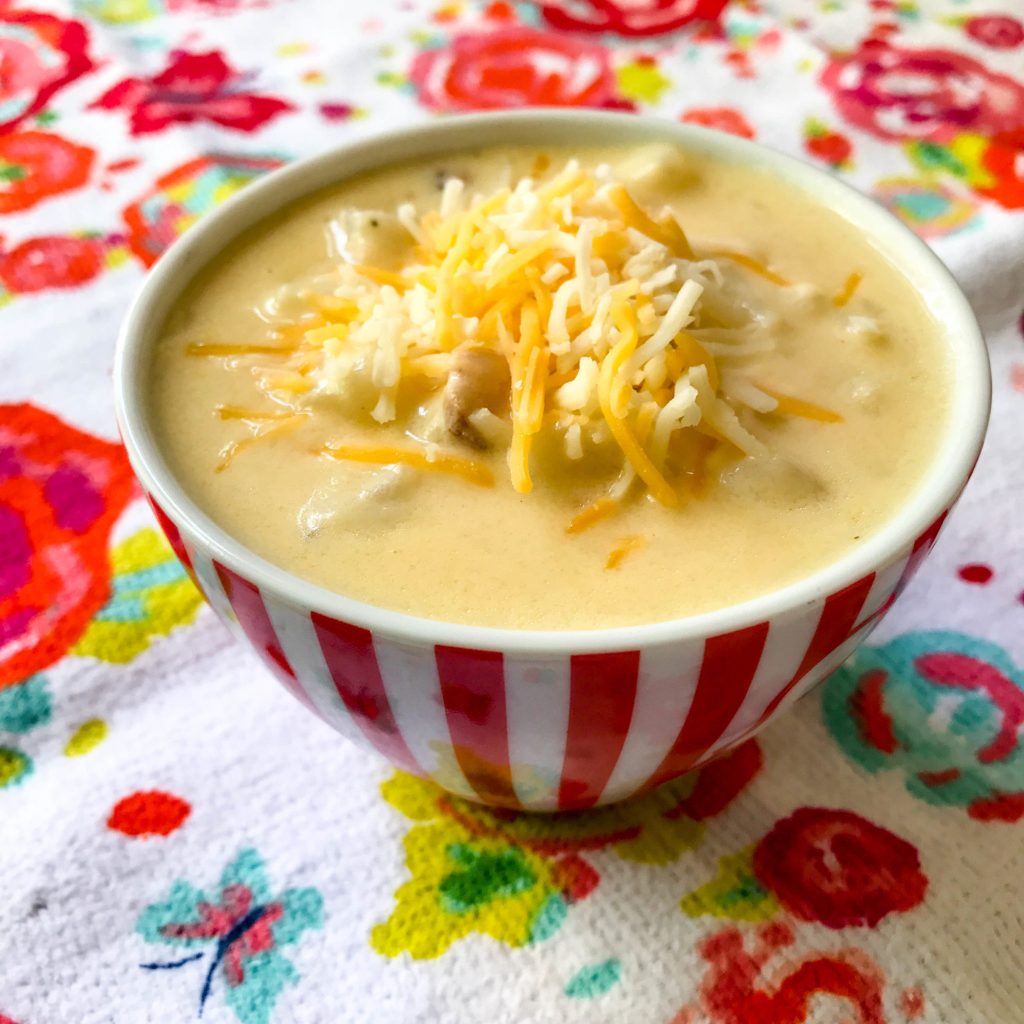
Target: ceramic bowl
{"x": 550, "y": 720}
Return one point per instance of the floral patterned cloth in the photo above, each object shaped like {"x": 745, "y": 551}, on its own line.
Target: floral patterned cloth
{"x": 179, "y": 839}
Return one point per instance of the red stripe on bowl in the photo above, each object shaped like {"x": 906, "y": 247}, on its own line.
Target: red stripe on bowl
{"x": 922, "y": 546}
{"x": 352, "y": 662}
{"x": 602, "y": 692}
{"x": 247, "y": 604}
{"x": 173, "y": 536}
{"x": 473, "y": 692}
{"x": 838, "y": 622}
{"x": 730, "y": 661}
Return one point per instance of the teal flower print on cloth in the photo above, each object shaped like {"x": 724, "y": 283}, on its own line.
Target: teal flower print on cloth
{"x": 239, "y": 928}
{"x": 25, "y": 705}
{"x": 945, "y": 709}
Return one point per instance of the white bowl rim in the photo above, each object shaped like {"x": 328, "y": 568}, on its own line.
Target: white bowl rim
{"x": 965, "y": 425}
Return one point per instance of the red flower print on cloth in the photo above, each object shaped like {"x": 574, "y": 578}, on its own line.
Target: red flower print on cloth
{"x": 193, "y": 87}
{"x": 832, "y": 147}
{"x": 39, "y": 54}
{"x": 838, "y": 869}
{"x": 36, "y": 165}
{"x": 151, "y": 813}
{"x": 629, "y": 17}
{"x": 60, "y": 492}
{"x": 53, "y": 261}
{"x": 922, "y": 94}
{"x": 1003, "y": 159}
{"x": 514, "y": 67}
{"x": 725, "y": 119}
{"x": 999, "y": 31}
{"x": 768, "y": 984}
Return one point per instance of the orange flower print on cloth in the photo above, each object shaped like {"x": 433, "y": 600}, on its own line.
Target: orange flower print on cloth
{"x": 60, "y": 492}
{"x": 153, "y": 221}
{"x": 514, "y": 67}
{"x": 39, "y": 55}
{"x": 725, "y": 119}
{"x": 193, "y": 87}
{"x": 51, "y": 261}
{"x": 629, "y": 17}
{"x": 943, "y": 708}
{"x": 179, "y": 198}
{"x": 823, "y": 865}
{"x": 897, "y": 93}
{"x": 832, "y": 147}
{"x": 37, "y": 165}
{"x": 514, "y": 876}
{"x": 760, "y": 978}
{"x": 1003, "y": 160}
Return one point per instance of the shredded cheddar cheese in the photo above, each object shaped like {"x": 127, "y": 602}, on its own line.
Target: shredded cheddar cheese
{"x": 591, "y": 515}
{"x": 439, "y": 462}
{"x": 602, "y": 310}
{"x": 238, "y": 412}
{"x": 263, "y": 430}
{"x": 790, "y": 406}
{"x": 222, "y": 350}
{"x": 754, "y": 265}
{"x": 379, "y": 276}
{"x": 624, "y": 547}
{"x": 843, "y": 296}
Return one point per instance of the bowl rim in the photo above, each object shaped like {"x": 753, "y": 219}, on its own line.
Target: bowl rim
{"x": 966, "y": 417}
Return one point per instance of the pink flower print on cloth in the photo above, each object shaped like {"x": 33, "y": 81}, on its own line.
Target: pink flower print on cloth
{"x": 61, "y": 491}
{"x": 39, "y": 55}
{"x": 193, "y": 87}
{"x": 897, "y": 93}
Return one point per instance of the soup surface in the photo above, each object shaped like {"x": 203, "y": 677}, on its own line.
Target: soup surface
{"x": 660, "y": 384}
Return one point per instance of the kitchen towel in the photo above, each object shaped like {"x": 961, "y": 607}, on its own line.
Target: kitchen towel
{"x": 180, "y": 840}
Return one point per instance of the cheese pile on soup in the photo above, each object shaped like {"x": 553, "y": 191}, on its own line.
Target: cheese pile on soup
{"x": 543, "y": 390}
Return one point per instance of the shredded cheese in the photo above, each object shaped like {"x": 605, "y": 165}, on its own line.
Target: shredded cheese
{"x": 379, "y": 276}
{"x": 612, "y": 327}
{"x": 591, "y": 515}
{"x": 846, "y": 293}
{"x": 787, "y": 405}
{"x": 754, "y": 265}
{"x": 221, "y": 350}
{"x": 441, "y": 462}
{"x": 623, "y": 548}
{"x": 263, "y": 431}
{"x": 631, "y": 447}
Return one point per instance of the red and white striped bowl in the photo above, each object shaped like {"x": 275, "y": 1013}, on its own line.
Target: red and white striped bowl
{"x": 551, "y": 720}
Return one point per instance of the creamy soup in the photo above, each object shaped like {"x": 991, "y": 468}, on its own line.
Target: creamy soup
{"x": 551, "y": 390}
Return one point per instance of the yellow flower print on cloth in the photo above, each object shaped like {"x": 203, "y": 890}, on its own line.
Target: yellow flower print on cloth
{"x": 151, "y": 594}
{"x": 514, "y": 876}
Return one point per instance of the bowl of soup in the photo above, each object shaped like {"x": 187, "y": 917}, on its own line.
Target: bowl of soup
{"x": 551, "y": 454}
